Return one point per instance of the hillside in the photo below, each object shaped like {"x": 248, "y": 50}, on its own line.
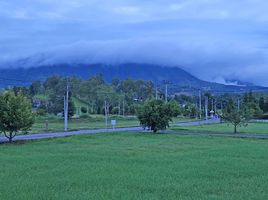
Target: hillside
{"x": 179, "y": 79}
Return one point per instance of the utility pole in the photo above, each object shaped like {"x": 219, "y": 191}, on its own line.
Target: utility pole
{"x": 166, "y": 90}
{"x": 196, "y": 105}
{"x": 215, "y": 105}
{"x": 106, "y": 110}
{"x": 123, "y": 108}
{"x": 212, "y": 104}
{"x": 66, "y": 108}
{"x": 238, "y": 105}
{"x": 119, "y": 108}
{"x": 156, "y": 92}
{"x": 166, "y": 93}
{"x": 200, "y": 105}
{"x": 206, "y": 107}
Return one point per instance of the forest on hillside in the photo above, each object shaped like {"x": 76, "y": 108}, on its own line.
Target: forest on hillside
{"x": 124, "y": 97}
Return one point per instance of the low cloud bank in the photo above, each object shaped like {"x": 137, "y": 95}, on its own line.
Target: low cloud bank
{"x": 206, "y": 60}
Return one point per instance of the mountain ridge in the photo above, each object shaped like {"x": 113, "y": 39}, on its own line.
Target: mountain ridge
{"x": 176, "y": 76}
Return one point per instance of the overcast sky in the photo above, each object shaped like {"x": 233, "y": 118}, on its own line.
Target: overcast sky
{"x": 213, "y": 39}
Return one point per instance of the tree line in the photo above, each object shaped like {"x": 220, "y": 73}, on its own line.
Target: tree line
{"x": 18, "y": 105}
{"x": 123, "y": 97}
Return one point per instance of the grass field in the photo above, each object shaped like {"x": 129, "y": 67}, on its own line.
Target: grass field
{"x": 255, "y": 128}
{"x": 56, "y": 124}
{"x": 135, "y": 166}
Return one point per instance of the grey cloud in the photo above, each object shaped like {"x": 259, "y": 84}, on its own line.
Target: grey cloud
{"x": 213, "y": 39}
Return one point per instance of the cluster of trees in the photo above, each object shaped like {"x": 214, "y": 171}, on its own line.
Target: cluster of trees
{"x": 125, "y": 97}
{"x": 235, "y": 109}
{"x": 122, "y": 97}
{"x": 254, "y": 105}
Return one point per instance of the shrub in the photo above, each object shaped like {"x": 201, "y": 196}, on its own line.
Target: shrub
{"x": 83, "y": 110}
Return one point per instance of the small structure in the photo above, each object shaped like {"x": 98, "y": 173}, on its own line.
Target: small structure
{"x": 113, "y": 123}
{"x": 212, "y": 114}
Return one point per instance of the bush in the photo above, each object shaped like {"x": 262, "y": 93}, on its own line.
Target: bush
{"x": 84, "y": 110}
{"x": 41, "y": 112}
{"x": 115, "y": 110}
{"x": 85, "y": 117}
{"x": 264, "y": 116}
{"x": 155, "y": 114}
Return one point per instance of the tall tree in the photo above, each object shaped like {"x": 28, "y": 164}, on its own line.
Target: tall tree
{"x": 35, "y": 88}
{"x": 262, "y": 104}
{"x": 15, "y": 114}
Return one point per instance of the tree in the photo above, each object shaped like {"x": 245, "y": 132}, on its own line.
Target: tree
{"x": 234, "y": 116}
{"x": 174, "y": 107}
{"x": 15, "y": 114}
{"x": 155, "y": 114}
{"x": 35, "y": 88}
{"x": 71, "y": 108}
{"x": 262, "y": 104}
{"x": 266, "y": 105}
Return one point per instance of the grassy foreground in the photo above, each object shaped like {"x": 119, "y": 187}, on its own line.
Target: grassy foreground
{"x": 56, "y": 124}
{"x": 135, "y": 166}
{"x": 254, "y": 128}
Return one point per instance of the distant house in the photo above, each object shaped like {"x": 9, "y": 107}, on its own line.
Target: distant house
{"x": 36, "y": 103}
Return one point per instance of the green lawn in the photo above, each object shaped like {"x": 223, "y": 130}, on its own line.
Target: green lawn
{"x": 127, "y": 166}
{"x": 255, "y": 128}
{"x": 56, "y": 124}
{"x": 181, "y": 119}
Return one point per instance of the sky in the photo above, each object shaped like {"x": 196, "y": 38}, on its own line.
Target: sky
{"x": 214, "y": 40}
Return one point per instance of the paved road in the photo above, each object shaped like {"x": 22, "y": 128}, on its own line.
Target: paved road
{"x": 209, "y": 121}
{"x": 64, "y": 134}
{"x": 238, "y": 135}
{"x": 94, "y": 131}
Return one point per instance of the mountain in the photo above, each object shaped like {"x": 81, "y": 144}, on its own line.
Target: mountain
{"x": 179, "y": 80}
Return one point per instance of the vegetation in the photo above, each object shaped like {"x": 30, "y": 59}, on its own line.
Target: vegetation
{"x": 89, "y": 95}
{"x": 234, "y": 115}
{"x": 124, "y": 97}
{"x": 156, "y": 115}
{"x": 56, "y": 124}
{"x": 135, "y": 166}
{"x": 15, "y": 114}
{"x": 252, "y": 128}
{"x": 263, "y": 104}
{"x": 127, "y": 97}
{"x": 84, "y": 110}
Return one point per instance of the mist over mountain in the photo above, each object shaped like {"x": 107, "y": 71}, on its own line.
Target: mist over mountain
{"x": 179, "y": 79}
{"x": 211, "y": 63}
